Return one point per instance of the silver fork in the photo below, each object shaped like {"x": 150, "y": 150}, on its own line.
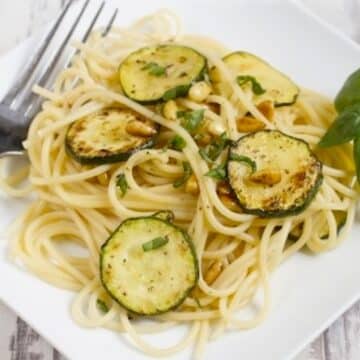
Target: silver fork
{"x": 16, "y": 118}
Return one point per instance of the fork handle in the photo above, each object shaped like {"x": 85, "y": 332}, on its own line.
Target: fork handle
{"x": 12, "y": 131}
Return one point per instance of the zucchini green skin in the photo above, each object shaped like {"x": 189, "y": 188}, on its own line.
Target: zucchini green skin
{"x": 110, "y": 159}
{"x": 180, "y": 90}
{"x": 185, "y": 293}
{"x": 295, "y": 89}
{"x": 166, "y": 215}
{"x": 296, "y": 208}
{"x": 94, "y": 156}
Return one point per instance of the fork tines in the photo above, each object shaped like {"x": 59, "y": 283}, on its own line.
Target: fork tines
{"x": 30, "y": 103}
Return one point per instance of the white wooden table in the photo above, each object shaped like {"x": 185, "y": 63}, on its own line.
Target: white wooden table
{"x": 21, "y": 18}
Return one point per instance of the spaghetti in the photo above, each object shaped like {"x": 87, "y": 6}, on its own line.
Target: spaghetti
{"x": 59, "y": 236}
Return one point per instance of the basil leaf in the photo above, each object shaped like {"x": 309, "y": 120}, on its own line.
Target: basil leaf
{"x": 345, "y": 127}
{"x": 154, "y": 69}
{"x": 122, "y": 184}
{"x": 244, "y": 159}
{"x": 155, "y": 243}
{"x": 255, "y": 85}
{"x": 203, "y": 153}
{"x": 185, "y": 177}
{"x": 349, "y": 93}
{"x": 175, "y": 92}
{"x": 218, "y": 173}
{"x": 177, "y": 143}
{"x": 215, "y": 148}
{"x": 191, "y": 120}
{"x": 101, "y": 304}
{"x": 356, "y": 150}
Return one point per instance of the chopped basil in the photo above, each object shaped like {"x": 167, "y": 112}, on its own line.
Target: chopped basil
{"x": 122, "y": 184}
{"x": 175, "y": 92}
{"x": 154, "y": 69}
{"x": 185, "y": 177}
{"x": 101, "y": 304}
{"x": 203, "y": 153}
{"x": 155, "y": 243}
{"x": 255, "y": 85}
{"x": 191, "y": 120}
{"x": 211, "y": 152}
{"x": 177, "y": 143}
{"x": 218, "y": 173}
{"x": 244, "y": 159}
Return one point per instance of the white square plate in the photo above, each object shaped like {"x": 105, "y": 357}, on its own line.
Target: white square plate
{"x": 309, "y": 291}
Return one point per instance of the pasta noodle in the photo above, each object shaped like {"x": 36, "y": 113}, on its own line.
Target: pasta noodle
{"x": 59, "y": 236}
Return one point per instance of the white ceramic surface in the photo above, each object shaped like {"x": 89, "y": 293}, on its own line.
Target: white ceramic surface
{"x": 309, "y": 291}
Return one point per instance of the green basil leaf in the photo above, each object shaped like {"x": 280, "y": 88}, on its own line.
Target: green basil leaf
{"x": 349, "y": 93}
{"x": 356, "y": 150}
{"x": 154, "y": 69}
{"x": 191, "y": 120}
{"x": 177, "y": 143}
{"x": 101, "y": 304}
{"x": 244, "y": 159}
{"x": 185, "y": 177}
{"x": 155, "y": 243}
{"x": 345, "y": 127}
{"x": 175, "y": 92}
{"x": 203, "y": 153}
{"x": 211, "y": 152}
{"x": 122, "y": 184}
{"x": 255, "y": 85}
{"x": 218, "y": 173}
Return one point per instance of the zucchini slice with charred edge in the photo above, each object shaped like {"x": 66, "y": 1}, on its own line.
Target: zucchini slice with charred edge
{"x": 287, "y": 177}
{"x": 108, "y": 136}
{"x": 148, "y": 265}
{"x": 166, "y": 215}
{"x": 161, "y": 72}
{"x": 278, "y": 87}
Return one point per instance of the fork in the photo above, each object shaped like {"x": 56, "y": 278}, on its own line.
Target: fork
{"x": 15, "y": 118}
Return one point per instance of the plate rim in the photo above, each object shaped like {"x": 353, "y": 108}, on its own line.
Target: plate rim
{"x": 334, "y": 31}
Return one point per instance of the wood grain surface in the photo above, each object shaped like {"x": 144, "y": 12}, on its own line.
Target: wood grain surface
{"x": 17, "y": 340}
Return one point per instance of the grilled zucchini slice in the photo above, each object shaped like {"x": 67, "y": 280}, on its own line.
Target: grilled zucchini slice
{"x": 284, "y": 178}
{"x": 148, "y": 265}
{"x": 161, "y": 72}
{"x": 258, "y": 74}
{"x": 108, "y": 136}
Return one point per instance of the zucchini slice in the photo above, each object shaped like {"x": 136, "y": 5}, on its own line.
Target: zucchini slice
{"x": 148, "y": 265}
{"x": 111, "y": 135}
{"x": 285, "y": 179}
{"x": 166, "y": 215}
{"x": 340, "y": 217}
{"x": 253, "y": 71}
{"x": 161, "y": 72}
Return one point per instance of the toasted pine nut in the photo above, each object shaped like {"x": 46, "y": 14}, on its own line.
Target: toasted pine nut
{"x": 199, "y": 91}
{"x": 191, "y": 185}
{"x": 267, "y": 109}
{"x": 249, "y": 124}
{"x": 215, "y": 128}
{"x": 103, "y": 179}
{"x": 266, "y": 177}
{"x": 213, "y": 272}
{"x": 230, "y": 203}
{"x": 223, "y": 188}
{"x": 170, "y": 109}
{"x": 138, "y": 128}
{"x": 204, "y": 139}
